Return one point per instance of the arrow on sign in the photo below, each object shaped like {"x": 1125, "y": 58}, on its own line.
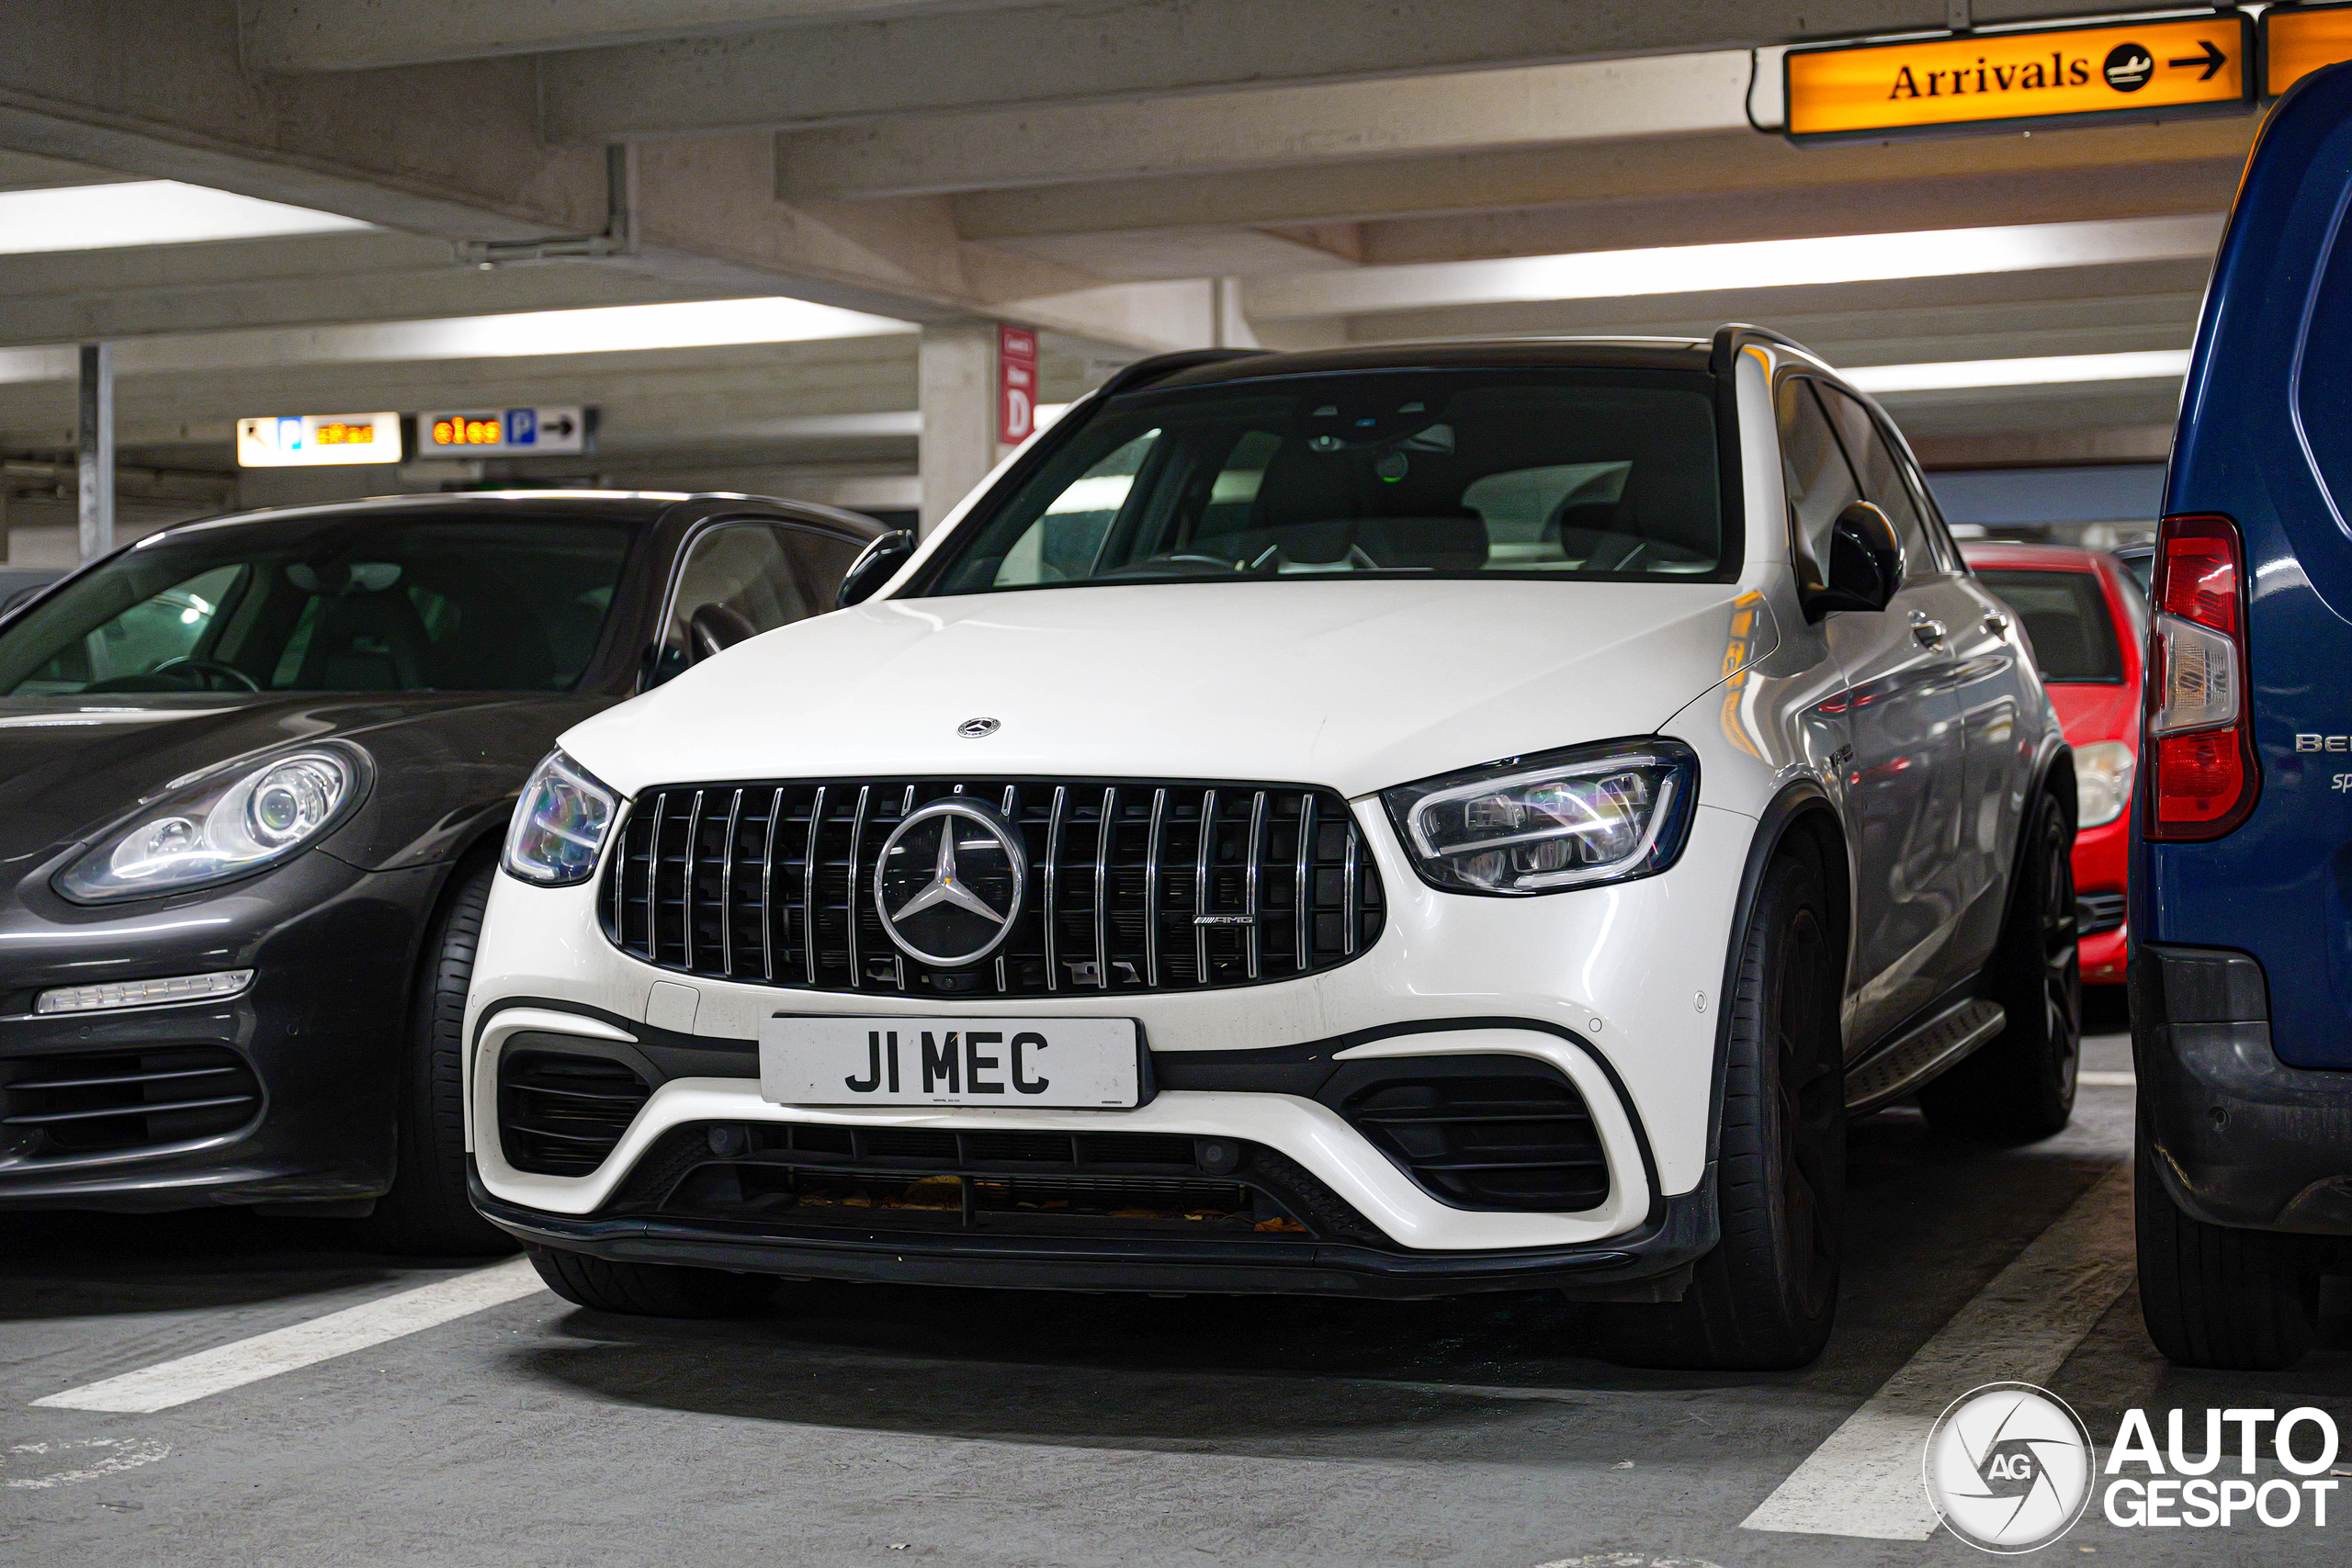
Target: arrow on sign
{"x": 559, "y": 425}
{"x": 2212, "y": 59}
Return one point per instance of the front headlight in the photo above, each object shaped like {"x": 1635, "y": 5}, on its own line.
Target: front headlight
{"x": 2102, "y": 782}
{"x": 221, "y": 828}
{"x": 1556, "y": 820}
{"x": 559, "y": 825}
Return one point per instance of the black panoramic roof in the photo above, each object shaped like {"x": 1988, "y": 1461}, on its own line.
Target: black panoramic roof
{"x": 634, "y": 509}
{"x": 1582, "y": 353}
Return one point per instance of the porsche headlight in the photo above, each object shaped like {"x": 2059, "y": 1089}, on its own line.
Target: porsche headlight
{"x": 559, "y": 825}
{"x": 1545, "y": 823}
{"x": 2102, "y": 782}
{"x": 223, "y": 827}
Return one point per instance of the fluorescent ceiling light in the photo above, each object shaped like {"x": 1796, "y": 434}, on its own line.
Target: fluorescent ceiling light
{"x": 2149, "y": 365}
{"x": 148, "y": 212}
{"x": 605, "y": 329}
{"x": 1747, "y": 263}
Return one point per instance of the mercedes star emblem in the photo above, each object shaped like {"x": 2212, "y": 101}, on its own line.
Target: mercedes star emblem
{"x": 977, "y": 729}
{"x": 949, "y": 881}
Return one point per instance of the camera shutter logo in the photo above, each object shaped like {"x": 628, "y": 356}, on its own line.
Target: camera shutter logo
{"x": 949, "y": 881}
{"x": 2008, "y": 1467}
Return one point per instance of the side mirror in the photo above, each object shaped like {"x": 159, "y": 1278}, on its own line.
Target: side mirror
{"x": 714, "y": 628}
{"x": 876, "y": 565}
{"x": 1865, "y": 565}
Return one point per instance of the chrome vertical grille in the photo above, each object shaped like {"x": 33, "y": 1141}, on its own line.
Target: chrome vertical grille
{"x": 1135, "y": 886}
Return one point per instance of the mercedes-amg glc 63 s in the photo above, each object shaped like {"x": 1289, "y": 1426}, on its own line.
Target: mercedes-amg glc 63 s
{"x": 1388, "y": 821}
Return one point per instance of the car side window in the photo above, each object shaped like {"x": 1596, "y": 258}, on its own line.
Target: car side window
{"x": 1882, "y": 479}
{"x": 1819, "y": 483}
{"x": 742, "y": 580}
{"x": 825, "y": 560}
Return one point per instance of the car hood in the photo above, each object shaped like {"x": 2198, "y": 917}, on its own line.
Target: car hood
{"x": 1353, "y": 685}
{"x": 70, "y": 766}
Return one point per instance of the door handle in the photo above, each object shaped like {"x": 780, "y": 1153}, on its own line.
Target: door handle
{"x": 1997, "y": 623}
{"x": 1929, "y": 633}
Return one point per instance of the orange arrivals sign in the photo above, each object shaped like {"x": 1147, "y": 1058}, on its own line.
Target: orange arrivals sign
{"x": 2296, "y": 43}
{"x": 2110, "y": 70}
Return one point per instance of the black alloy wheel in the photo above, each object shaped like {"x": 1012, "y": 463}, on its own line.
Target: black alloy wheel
{"x": 1766, "y": 1296}
{"x": 2020, "y": 1087}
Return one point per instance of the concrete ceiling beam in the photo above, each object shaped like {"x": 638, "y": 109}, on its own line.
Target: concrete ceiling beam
{"x": 1593, "y": 170}
{"x": 69, "y": 296}
{"x": 1321, "y": 124}
{"x": 454, "y": 152}
{"x": 358, "y": 35}
{"x": 1105, "y": 53}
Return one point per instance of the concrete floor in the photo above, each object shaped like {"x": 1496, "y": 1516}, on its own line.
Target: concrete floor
{"x": 882, "y": 1425}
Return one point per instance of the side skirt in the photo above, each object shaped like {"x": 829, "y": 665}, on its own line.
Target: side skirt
{"x": 1918, "y": 1054}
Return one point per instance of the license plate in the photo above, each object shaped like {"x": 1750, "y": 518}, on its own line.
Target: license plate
{"x": 1073, "y": 1063}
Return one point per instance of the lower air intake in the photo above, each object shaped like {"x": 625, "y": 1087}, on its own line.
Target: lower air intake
{"x": 561, "y": 1114}
{"x": 1502, "y": 1137}
{"x": 119, "y": 1102}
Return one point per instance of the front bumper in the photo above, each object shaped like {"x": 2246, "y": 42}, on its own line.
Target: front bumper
{"x": 2241, "y": 1138}
{"x": 1650, "y": 1264}
{"x": 2101, "y": 859}
{"x": 314, "y": 1041}
{"x": 1616, "y": 989}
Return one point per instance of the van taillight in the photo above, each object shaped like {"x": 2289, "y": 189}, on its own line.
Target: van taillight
{"x": 2202, "y": 777}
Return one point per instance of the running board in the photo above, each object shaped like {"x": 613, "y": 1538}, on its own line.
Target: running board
{"x": 1897, "y": 1069}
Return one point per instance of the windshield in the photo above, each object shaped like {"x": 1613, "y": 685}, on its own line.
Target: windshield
{"x": 2065, "y": 615}
{"x": 1593, "y": 474}
{"x": 380, "y": 603}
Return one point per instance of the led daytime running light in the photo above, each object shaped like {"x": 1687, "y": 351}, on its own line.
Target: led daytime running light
{"x": 109, "y": 996}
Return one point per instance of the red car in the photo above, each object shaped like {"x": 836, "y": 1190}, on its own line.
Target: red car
{"x": 2088, "y": 622}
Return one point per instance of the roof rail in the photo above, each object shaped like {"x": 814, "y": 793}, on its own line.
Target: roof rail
{"x": 1159, "y": 367}
{"x": 1727, "y": 340}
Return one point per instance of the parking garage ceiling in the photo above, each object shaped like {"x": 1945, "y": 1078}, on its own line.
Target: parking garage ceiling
{"x": 1364, "y": 172}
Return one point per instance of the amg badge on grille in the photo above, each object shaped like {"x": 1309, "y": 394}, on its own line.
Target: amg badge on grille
{"x": 949, "y": 882}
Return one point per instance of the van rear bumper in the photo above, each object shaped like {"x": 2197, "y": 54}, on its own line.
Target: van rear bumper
{"x": 2240, "y": 1137}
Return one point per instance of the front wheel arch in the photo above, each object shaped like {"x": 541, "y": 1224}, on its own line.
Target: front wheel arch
{"x": 1801, "y": 816}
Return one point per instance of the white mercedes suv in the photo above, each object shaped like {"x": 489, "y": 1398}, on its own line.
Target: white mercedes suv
{"x": 1386, "y": 821}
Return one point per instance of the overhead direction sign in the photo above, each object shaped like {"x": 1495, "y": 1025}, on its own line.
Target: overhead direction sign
{"x": 315, "y": 440}
{"x": 2020, "y": 79}
{"x": 2298, "y": 41}
{"x": 503, "y": 433}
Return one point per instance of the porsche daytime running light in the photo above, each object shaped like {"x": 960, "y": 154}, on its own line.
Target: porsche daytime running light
{"x": 559, "y": 825}
{"x": 221, "y": 828}
{"x": 109, "y": 996}
{"x": 1549, "y": 822}
{"x": 2102, "y": 782}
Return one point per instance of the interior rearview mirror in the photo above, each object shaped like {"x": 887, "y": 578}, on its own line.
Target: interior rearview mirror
{"x": 876, "y": 565}
{"x": 1865, "y": 564}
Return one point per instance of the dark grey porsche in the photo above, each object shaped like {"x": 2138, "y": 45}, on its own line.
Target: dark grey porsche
{"x": 254, "y": 773}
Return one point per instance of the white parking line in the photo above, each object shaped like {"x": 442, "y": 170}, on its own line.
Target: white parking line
{"x": 1865, "y": 1480}
{"x": 303, "y": 1344}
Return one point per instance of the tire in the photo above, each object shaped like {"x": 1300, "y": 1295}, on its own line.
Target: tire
{"x": 2216, "y": 1296}
{"x": 427, "y": 1210}
{"x": 1766, "y": 1296}
{"x": 651, "y": 1289}
{"x": 2020, "y": 1087}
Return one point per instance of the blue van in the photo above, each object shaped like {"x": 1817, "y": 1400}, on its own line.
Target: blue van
{"x": 2241, "y": 837}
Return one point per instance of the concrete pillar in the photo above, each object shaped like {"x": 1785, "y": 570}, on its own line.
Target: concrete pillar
{"x": 97, "y": 450}
{"x": 956, "y": 377}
